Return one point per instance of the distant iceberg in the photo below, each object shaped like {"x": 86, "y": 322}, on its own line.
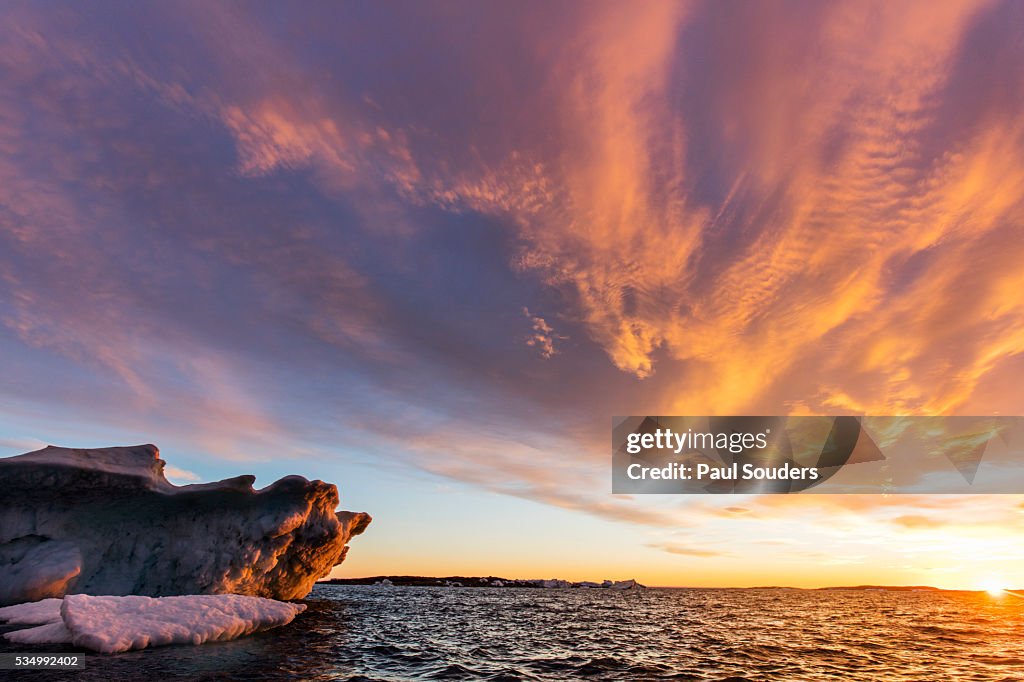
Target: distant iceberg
{"x": 107, "y": 521}
{"x": 114, "y": 624}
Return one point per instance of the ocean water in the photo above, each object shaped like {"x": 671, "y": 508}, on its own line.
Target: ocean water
{"x": 410, "y": 633}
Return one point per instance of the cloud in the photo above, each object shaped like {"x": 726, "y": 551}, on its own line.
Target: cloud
{"x": 688, "y": 551}
{"x": 658, "y": 246}
{"x": 176, "y": 475}
{"x": 917, "y": 522}
{"x": 22, "y": 445}
{"x": 543, "y": 337}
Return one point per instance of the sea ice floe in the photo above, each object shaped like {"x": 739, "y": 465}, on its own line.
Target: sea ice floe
{"x": 51, "y": 633}
{"x": 32, "y": 613}
{"x": 115, "y": 624}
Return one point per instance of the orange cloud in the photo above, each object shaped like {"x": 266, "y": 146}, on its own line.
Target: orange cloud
{"x": 543, "y": 337}
{"x": 917, "y": 521}
{"x": 688, "y": 551}
{"x": 848, "y": 228}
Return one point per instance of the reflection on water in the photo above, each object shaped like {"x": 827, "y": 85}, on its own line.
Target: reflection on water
{"x": 377, "y": 633}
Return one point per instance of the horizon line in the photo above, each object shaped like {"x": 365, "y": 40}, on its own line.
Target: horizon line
{"x": 866, "y": 586}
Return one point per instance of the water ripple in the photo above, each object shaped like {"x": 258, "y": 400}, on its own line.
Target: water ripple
{"x": 375, "y": 634}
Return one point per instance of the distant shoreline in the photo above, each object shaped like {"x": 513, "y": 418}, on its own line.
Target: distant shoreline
{"x": 497, "y": 581}
{"x": 483, "y": 581}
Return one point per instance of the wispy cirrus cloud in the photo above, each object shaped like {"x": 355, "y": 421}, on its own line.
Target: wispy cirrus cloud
{"x": 917, "y": 521}
{"x": 842, "y": 200}
{"x": 689, "y": 551}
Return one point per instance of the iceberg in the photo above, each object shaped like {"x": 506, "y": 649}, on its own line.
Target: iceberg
{"x": 115, "y": 624}
{"x": 106, "y": 521}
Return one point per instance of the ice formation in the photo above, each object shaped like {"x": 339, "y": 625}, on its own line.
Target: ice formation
{"x": 115, "y": 624}
{"x": 106, "y": 521}
{"x": 33, "y": 613}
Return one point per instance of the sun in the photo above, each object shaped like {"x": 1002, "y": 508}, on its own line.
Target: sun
{"x": 994, "y": 586}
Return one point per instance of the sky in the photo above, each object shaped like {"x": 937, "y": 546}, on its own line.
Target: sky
{"x": 426, "y": 252}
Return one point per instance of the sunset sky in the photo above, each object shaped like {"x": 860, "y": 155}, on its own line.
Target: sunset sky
{"x": 427, "y": 250}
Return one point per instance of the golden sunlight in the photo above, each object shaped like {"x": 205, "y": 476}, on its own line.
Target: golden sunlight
{"x": 994, "y": 585}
